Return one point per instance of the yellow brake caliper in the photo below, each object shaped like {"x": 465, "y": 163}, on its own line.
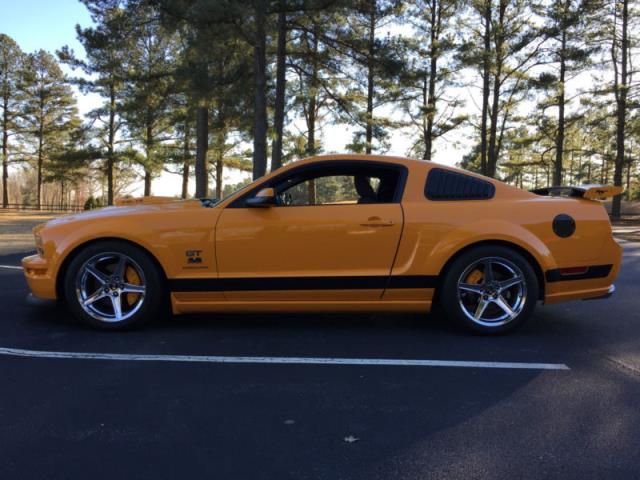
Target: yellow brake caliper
{"x": 132, "y": 277}
{"x": 476, "y": 277}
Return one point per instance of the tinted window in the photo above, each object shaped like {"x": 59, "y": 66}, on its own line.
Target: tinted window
{"x": 331, "y": 190}
{"x": 335, "y": 182}
{"x": 339, "y": 186}
{"x": 447, "y": 185}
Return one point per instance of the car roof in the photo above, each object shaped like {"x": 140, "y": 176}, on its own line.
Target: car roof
{"x": 356, "y": 156}
{"x": 408, "y": 162}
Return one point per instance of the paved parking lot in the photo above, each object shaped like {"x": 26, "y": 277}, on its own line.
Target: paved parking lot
{"x": 169, "y": 415}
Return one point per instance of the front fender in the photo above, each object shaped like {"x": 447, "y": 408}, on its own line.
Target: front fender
{"x": 166, "y": 237}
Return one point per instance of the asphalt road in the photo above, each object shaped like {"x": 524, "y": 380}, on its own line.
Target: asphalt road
{"x": 80, "y": 418}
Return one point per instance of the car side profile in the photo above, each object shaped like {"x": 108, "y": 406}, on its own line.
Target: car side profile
{"x": 339, "y": 233}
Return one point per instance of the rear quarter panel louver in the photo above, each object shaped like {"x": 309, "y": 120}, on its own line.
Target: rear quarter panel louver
{"x": 447, "y": 185}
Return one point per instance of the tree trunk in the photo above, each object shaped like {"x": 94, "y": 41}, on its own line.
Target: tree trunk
{"x": 486, "y": 72}
{"x": 260, "y": 85}
{"x": 557, "y": 172}
{"x": 62, "y": 193}
{"x": 186, "y": 161}
{"x": 111, "y": 142}
{"x": 185, "y": 179}
{"x": 40, "y": 162}
{"x": 202, "y": 144}
{"x": 370, "y": 78}
{"x": 312, "y": 109}
{"x": 5, "y": 153}
{"x": 147, "y": 167}
{"x": 492, "y": 163}
{"x": 147, "y": 183}
{"x": 431, "y": 97}
{"x": 313, "y": 88}
{"x": 621, "y": 107}
{"x": 219, "y": 173}
{"x": 628, "y": 189}
{"x": 221, "y": 142}
{"x": 281, "y": 79}
{"x": 311, "y": 124}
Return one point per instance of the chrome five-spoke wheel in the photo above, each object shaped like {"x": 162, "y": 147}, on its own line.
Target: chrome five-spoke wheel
{"x": 492, "y": 291}
{"x": 110, "y": 287}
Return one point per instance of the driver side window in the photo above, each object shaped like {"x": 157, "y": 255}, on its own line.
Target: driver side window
{"x": 323, "y": 190}
{"x": 339, "y": 185}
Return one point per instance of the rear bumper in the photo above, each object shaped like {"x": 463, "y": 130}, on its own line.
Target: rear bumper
{"x": 610, "y": 292}
{"x": 596, "y": 282}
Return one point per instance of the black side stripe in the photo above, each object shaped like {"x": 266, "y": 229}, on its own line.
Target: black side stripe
{"x": 301, "y": 283}
{"x": 593, "y": 271}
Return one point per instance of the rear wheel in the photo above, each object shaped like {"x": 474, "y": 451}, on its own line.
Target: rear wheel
{"x": 114, "y": 285}
{"x": 490, "y": 290}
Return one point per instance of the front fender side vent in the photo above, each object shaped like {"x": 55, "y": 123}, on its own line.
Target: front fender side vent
{"x": 447, "y": 185}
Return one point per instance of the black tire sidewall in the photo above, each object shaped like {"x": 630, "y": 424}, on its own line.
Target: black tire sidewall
{"x": 153, "y": 305}
{"x": 449, "y": 288}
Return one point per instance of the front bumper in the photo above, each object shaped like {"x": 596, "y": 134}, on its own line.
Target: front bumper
{"x": 610, "y": 292}
{"x": 37, "y": 271}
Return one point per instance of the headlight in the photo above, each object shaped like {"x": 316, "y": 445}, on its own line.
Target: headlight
{"x": 39, "y": 248}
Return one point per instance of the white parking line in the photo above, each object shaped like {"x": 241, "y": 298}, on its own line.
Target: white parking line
{"x": 11, "y": 267}
{"x": 399, "y": 362}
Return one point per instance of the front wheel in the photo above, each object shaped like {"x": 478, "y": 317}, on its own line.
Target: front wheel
{"x": 490, "y": 290}
{"x": 114, "y": 285}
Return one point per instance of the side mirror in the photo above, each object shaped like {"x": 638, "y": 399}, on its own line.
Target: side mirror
{"x": 264, "y": 198}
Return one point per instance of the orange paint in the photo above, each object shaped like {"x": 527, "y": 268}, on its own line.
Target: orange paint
{"x": 412, "y": 238}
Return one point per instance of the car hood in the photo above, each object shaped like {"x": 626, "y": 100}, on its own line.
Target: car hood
{"x": 131, "y": 208}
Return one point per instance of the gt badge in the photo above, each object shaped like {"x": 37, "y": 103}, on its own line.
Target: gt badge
{"x": 193, "y": 256}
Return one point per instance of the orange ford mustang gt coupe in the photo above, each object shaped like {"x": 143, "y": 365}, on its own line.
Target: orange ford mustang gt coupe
{"x": 331, "y": 234}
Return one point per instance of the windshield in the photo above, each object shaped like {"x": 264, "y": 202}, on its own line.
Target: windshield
{"x": 238, "y": 188}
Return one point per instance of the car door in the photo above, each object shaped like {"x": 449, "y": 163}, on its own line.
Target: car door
{"x": 322, "y": 240}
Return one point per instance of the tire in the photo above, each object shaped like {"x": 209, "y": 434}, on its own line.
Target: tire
{"x": 109, "y": 273}
{"x": 494, "y": 307}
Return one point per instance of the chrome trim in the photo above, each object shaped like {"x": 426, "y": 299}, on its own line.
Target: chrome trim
{"x": 499, "y": 298}
{"x": 103, "y": 282}
{"x": 610, "y": 291}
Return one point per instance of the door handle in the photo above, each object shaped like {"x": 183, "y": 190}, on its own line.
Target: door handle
{"x": 377, "y": 222}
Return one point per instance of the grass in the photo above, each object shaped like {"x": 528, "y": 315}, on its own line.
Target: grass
{"x": 15, "y": 230}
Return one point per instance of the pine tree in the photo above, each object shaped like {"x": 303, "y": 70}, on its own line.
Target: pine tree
{"x": 105, "y": 47}
{"x": 150, "y": 89}
{"x": 49, "y": 111}
{"x": 624, "y": 17}
{"x": 568, "y": 53}
{"x": 377, "y": 66}
{"x": 11, "y": 58}
{"x": 216, "y": 53}
{"x": 68, "y": 164}
{"x": 317, "y": 81}
{"x": 511, "y": 43}
{"x": 431, "y": 108}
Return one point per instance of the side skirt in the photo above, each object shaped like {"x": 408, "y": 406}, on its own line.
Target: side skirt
{"x": 378, "y": 306}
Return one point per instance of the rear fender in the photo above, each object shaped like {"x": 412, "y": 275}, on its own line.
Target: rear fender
{"x": 467, "y": 235}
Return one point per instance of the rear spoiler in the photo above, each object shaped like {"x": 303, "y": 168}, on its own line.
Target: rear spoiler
{"x": 591, "y": 192}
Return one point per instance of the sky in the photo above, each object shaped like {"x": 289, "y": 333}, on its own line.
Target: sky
{"x": 47, "y": 24}
{"x": 50, "y": 24}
